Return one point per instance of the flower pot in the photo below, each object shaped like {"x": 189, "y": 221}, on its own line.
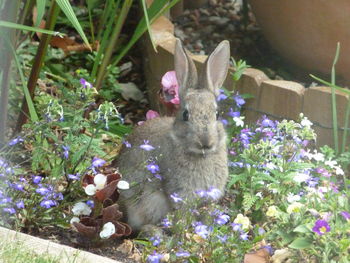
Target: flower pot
{"x": 306, "y": 32}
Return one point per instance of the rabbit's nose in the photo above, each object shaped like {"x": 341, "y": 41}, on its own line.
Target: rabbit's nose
{"x": 206, "y": 142}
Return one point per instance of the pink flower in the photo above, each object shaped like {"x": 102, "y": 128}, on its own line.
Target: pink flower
{"x": 151, "y": 114}
{"x": 170, "y": 87}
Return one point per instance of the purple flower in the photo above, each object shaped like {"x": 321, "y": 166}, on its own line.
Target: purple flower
{"x": 97, "y": 162}
{"x": 321, "y": 227}
{"x": 239, "y": 100}
{"x": 17, "y": 186}
{"x": 236, "y": 227}
{"x": 323, "y": 172}
{"x": 221, "y": 96}
{"x": 47, "y": 203}
{"x": 127, "y": 144}
{"x": 20, "y": 204}
{"x": 146, "y": 146}
{"x": 155, "y": 241}
{"x": 266, "y": 122}
{"x": 183, "y": 254}
{"x": 158, "y": 176}
{"x": 153, "y": 168}
{"x": 224, "y": 122}
{"x": 90, "y": 203}
{"x": 74, "y": 176}
{"x": 42, "y": 190}
{"x": 85, "y": 83}
{"x": 244, "y": 236}
{"x": 176, "y": 198}
{"x": 9, "y": 210}
{"x": 166, "y": 223}
{"x": 15, "y": 141}
{"x": 37, "y": 179}
{"x": 233, "y": 114}
{"x": 345, "y": 214}
{"x": 222, "y": 219}
{"x": 222, "y": 239}
{"x": 201, "y": 193}
{"x": 201, "y": 230}
{"x": 65, "y": 151}
{"x": 214, "y": 193}
{"x": 154, "y": 257}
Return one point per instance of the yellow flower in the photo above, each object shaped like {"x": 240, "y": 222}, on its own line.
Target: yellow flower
{"x": 272, "y": 211}
{"x": 294, "y": 207}
{"x": 243, "y": 220}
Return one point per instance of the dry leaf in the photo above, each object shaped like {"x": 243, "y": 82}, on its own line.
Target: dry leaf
{"x": 127, "y": 247}
{"x": 281, "y": 255}
{"x": 260, "y": 256}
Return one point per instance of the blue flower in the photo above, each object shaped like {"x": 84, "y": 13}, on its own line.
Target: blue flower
{"x": 18, "y": 187}
{"x": 201, "y": 230}
{"x": 236, "y": 227}
{"x": 155, "y": 241}
{"x": 90, "y": 203}
{"x": 182, "y": 254}
{"x": 20, "y": 204}
{"x": 233, "y": 114}
{"x": 97, "y": 162}
{"x": 166, "y": 223}
{"x": 65, "y": 151}
{"x": 239, "y": 100}
{"x": 153, "y": 168}
{"x": 37, "y": 179}
{"x": 74, "y": 176}
{"x": 9, "y": 210}
{"x": 15, "y": 141}
{"x": 5, "y": 200}
{"x": 127, "y": 144}
{"x": 154, "y": 257}
{"x": 146, "y": 146}
{"x": 222, "y": 219}
{"x": 42, "y": 190}
{"x": 47, "y": 203}
{"x": 158, "y": 176}
{"x": 214, "y": 193}
{"x": 222, "y": 239}
{"x": 176, "y": 198}
{"x": 244, "y": 236}
{"x": 221, "y": 96}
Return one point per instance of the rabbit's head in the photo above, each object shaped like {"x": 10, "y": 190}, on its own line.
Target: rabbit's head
{"x": 196, "y": 125}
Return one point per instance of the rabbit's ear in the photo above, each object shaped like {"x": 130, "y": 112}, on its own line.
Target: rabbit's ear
{"x": 185, "y": 69}
{"x": 216, "y": 67}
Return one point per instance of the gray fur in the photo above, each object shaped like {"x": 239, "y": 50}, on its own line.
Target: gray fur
{"x": 191, "y": 154}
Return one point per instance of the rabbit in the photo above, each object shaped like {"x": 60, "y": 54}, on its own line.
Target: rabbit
{"x": 190, "y": 149}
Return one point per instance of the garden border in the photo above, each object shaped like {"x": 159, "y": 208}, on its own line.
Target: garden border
{"x": 278, "y": 99}
{"x": 65, "y": 253}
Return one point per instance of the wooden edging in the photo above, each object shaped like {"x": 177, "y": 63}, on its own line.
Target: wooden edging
{"x": 277, "y": 99}
{"x": 40, "y": 246}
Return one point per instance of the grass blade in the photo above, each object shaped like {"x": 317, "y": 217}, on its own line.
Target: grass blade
{"x": 29, "y": 28}
{"x": 334, "y": 103}
{"x": 40, "y": 6}
{"x": 68, "y": 11}
{"x": 148, "y": 24}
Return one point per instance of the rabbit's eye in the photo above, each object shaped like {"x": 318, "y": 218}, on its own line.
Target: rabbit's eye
{"x": 185, "y": 115}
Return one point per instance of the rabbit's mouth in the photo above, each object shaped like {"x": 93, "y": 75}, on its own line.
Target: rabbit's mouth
{"x": 203, "y": 151}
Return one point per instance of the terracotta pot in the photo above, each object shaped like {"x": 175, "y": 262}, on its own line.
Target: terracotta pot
{"x": 306, "y": 32}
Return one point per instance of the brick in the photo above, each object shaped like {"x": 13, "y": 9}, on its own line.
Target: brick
{"x": 318, "y": 108}
{"x": 280, "y": 98}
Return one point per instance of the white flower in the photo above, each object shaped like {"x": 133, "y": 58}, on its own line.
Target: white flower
{"x": 90, "y": 189}
{"x": 305, "y": 122}
{"x": 107, "y": 230}
{"x": 339, "y": 171}
{"x": 331, "y": 164}
{"x": 259, "y": 194}
{"x": 123, "y": 185}
{"x": 239, "y": 121}
{"x": 243, "y": 220}
{"x": 100, "y": 181}
{"x": 272, "y": 211}
{"x": 74, "y": 220}
{"x": 271, "y": 166}
{"x": 293, "y": 198}
{"x": 301, "y": 177}
{"x": 294, "y": 207}
{"x": 81, "y": 208}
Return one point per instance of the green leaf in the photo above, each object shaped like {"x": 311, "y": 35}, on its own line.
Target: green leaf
{"x": 145, "y": 11}
{"x": 301, "y": 243}
{"x": 29, "y": 28}
{"x": 302, "y": 229}
{"x": 40, "y": 6}
{"x": 68, "y": 11}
